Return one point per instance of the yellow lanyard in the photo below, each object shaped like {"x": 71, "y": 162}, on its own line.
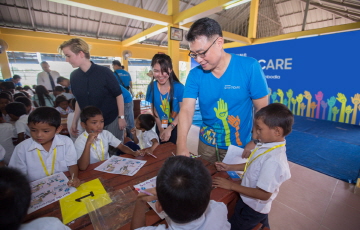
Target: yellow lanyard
{"x": 102, "y": 149}
{"x": 43, "y": 163}
{"x": 249, "y": 162}
{"x": 161, "y": 99}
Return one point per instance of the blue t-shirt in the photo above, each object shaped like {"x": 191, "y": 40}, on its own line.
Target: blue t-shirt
{"x": 226, "y": 103}
{"x": 126, "y": 94}
{"x": 125, "y": 77}
{"x": 161, "y": 102}
{"x": 16, "y": 85}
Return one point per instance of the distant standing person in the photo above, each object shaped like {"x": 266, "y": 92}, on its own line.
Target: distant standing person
{"x": 47, "y": 78}
{"x": 94, "y": 85}
{"x": 122, "y": 75}
{"x": 15, "y": 79}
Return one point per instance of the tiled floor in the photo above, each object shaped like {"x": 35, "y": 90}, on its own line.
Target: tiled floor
{"x": 309, "y": 200}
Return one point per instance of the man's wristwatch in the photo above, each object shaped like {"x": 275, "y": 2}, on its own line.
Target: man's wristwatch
{"x": 256, "y": 141}
{"x": 172, "y": 125}
{"x": 121, "y": 117}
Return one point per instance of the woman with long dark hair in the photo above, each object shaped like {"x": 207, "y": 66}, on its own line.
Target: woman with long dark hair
{"x": 42, "y": 97}
{"x": 165, "y": 94}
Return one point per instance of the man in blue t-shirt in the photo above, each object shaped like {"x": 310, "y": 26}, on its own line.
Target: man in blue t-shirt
{"x": 228, "y": 86}
{"x": 122, "y": 76}
{"x": 15, "y": 79}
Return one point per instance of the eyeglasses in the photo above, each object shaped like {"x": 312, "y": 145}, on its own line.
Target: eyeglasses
{"x": 202, "y": 55}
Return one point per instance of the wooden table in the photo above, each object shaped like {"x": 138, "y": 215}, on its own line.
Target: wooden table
{"x": 115, "y": 182}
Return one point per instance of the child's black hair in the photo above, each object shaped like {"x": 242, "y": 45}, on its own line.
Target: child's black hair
{"x": 183, "y": 187}
{"x": 26, "y": 101}
{"x": 89, "y": 111}
{"x": 60, "y": 99}
{"x": 8, "y": 85}
{"x": 46, "y": 115}
{"x": 43, "y": 93}
{"x": 19, "y": 94}
{"x": 15, "y": 108}
{"x": 15, "y": 196}
{"x": 6, "y": 95}
{"x": 276, "y": 115}
{"x": 59, "y": 89}
{"x": 147, "y": 121}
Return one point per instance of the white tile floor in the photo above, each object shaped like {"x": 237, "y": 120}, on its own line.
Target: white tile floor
{"x": 309, "y": 200}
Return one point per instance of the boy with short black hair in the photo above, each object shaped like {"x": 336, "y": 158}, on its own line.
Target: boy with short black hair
{"x": 183, "y": 188}
{"x": 46, "y": 152}
{"x": 15, "y": 199}
{"x": 17, "y": 112}
{"x": 267, "y": 168}
{"x": 26, "y": 101}
{"x": 93, "y": 144}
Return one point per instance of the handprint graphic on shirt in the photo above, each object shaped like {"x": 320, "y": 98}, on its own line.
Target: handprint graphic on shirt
{"x": 221, "y": 113}
{"x": 299, "y": 99}
{"x": 293, "y": 101}
{"x": 281, "y": 95}
{"x": 348, "y": 111}
{"x": 324, "y": 106}
{"x": 289, "y": 94}
{"x": 335, "y": 111}
{"x": 308, "y": 96}
{"x": 219, "y": 132}
{"x": 235, "y": 122}
{"x": 319, "y": 96}
{"x": 302, "y": 107}
{"x": 313, "y": 106}
{"x": 331, "y": 102}
{"x": 342, "y": 99}
{"x": 356, "y": 101}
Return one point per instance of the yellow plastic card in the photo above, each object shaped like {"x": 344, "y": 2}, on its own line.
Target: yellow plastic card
{"x": 73, "y": 205}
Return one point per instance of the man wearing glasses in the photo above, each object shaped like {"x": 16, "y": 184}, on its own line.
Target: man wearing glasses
{"x": 229, "y": 88}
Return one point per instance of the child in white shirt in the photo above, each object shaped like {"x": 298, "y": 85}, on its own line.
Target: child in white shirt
{"x": 46, "y": 152}
{"x": 147, "y": 139}
{"x": 5, "y": 99}
{"x": 15, "y": 193}
{"x": 183, "y": 188}
{"x": 93, "y": 144}
{"x": 62, "y": 105}
{"x": 267, "y": 168}
{"x": 17, "y": 112}
{"x": 6, "y": 136}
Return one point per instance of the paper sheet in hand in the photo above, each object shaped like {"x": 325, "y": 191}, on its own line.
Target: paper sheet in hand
{"x": 48, "y": 190}
{"x": 121, "y": 165}
{"x": 151, "y": 183}
{"x": 73, "y": 206}
{"x": 233, "y": 156}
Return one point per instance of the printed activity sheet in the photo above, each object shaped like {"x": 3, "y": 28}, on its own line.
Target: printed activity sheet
{"x": 121, "y": 165}
{"x": 48, "y": 190}
{"x": 234, "y": 156}
{"x": 151, "y": 183}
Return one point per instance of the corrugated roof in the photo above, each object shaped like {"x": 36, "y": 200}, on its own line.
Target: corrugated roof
{"x": 275, "y": 17}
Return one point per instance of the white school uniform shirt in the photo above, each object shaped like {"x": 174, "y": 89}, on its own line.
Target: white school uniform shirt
{"x": 43, "y": 79}
{"x": 44, "y": 223}
{"x": 146, "y": 137}
{"x": 6, "y": 135}
{"x": 267, "y": 172}
{"x": 214, "y": 218}
{"x": 26, "y": 159}
{"x": 21, "y": 125}
{"x": 106, "y": 138}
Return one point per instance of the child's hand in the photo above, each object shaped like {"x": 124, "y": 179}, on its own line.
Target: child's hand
{"x": 139, "y": 153}
{"x": 222, "y": 183}
{"x": 74, "y": 182}
{"x": 133, "y": 131}
{"x": 221, "y": 166}
{"x": 146, "y": 197}
{"x": 91, "y": 138}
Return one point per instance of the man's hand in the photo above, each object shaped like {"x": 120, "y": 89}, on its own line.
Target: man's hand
{"x": 122, "y": 124}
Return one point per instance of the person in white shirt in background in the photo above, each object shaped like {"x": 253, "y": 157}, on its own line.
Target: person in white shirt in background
{"x": 47, "y": 77}
{"x": 15, "y": 193}
{"x": 17, "y": 112}
{"x": 7, "y": 131}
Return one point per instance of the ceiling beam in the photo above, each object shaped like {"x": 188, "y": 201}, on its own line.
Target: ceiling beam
{"x": 152, "y": 31}
{"x": 119, "y": 9}
{"x": 253, "y": 18}
{"x": 320, "y": 31}
{"x": 201, "y": 10}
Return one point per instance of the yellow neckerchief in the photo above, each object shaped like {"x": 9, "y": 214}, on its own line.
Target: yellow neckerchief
{"x": 163, "y": 105}
{"x": 249, "y": 162}
{"x": 43, "y": 163}
{"x": 102, "y": 149}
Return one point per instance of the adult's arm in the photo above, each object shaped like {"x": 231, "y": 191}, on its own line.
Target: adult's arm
{"x": 185, "y": 120}
{"x": 74, "y": 130}
{"x": 258, "y": 104}
{"x": 165, "y": 136}
{"x": 120, "y": 105}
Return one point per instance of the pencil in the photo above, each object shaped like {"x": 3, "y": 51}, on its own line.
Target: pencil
{"x": 72, "y": 177}
{"x": 146, "y": 192}
{"x": 151, "y": 155}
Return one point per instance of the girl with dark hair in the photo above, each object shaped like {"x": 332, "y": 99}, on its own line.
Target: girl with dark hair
{"x": 42, "y": 97}
{"x": 63, "y": 106}
{"x": 165, "y": 95}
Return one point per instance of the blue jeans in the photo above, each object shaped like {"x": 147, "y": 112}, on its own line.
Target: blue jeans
{"x": 246, "y": 218}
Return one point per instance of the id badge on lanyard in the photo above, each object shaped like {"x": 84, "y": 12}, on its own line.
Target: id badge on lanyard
{"x": 164, "y": 121}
